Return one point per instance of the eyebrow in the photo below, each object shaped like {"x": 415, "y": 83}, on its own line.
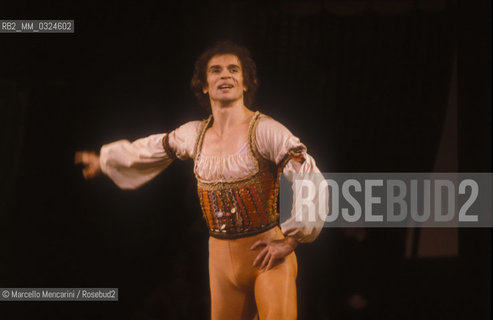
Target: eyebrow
{"x": 216, "y": 66}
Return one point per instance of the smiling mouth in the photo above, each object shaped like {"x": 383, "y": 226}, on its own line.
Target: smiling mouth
{"x": 226, "y": 86}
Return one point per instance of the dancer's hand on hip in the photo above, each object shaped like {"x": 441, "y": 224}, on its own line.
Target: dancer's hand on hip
{"x": 274, "y": 251}
{"x": 90, "y": 161}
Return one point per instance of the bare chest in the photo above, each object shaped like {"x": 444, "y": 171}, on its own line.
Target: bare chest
{"x": 225, "y": 144}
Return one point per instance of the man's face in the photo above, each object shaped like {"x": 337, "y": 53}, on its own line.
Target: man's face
{"x": 225, "y": 79}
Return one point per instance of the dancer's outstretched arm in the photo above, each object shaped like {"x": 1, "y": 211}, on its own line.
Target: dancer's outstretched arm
{"x": 132, "y": 164}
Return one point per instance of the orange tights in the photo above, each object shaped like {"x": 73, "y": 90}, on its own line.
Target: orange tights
{"x": 239, "y": 290}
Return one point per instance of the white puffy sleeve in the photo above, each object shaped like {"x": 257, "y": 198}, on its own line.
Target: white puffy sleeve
{"x": 132, "y": 164}
{"x": 276, "y": 143}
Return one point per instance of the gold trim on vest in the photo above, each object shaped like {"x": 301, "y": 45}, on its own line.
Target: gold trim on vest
{"x": 244, "y": 206}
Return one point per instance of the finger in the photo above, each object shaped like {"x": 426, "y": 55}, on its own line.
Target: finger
{"x": 272, "y": 262}
{"x": 267, "y": 257}
{"x": 88, "y": 173}
{"x": 258, "y": 244}
{"x": 78, "y": 157}
{"x": 259, "y": 257}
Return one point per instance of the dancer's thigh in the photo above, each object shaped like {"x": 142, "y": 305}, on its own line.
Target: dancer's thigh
{"x": 275, "y": 291}
{"x": 229, "y": 299}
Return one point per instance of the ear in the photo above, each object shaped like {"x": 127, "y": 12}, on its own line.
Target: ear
{"x": 205, "y": 91}
{"x": 245, "y": 89}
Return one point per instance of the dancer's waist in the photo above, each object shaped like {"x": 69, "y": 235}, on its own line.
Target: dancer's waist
{"x": 235, "y": 232}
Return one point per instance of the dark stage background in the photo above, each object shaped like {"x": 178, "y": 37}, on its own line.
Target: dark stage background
{"x": 366, "y": 85}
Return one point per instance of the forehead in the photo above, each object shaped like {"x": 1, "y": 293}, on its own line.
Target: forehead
{"x": 224, "y": 60}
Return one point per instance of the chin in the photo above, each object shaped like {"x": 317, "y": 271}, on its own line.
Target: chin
{"x": 227, "y": 100}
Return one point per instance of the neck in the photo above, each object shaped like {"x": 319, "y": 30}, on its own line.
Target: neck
{"x": 227, "y": 117}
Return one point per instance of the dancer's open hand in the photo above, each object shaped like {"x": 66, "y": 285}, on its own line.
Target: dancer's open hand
{"x": 90, "y": 161}
{"x": 274, "y": 251}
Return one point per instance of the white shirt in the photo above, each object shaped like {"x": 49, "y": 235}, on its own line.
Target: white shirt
{"x": 131, "y": 164}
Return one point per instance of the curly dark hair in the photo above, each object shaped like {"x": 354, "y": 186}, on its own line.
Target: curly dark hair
{"x": 199, "y": 78}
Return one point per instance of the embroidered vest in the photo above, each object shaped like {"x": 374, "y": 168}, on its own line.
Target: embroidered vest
{"x": 245, "y": 206}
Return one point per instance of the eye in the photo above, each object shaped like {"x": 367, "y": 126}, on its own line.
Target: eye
{"x": 234, "y": 70}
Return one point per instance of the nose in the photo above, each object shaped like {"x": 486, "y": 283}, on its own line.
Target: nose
{"x": 225, "y": 74}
